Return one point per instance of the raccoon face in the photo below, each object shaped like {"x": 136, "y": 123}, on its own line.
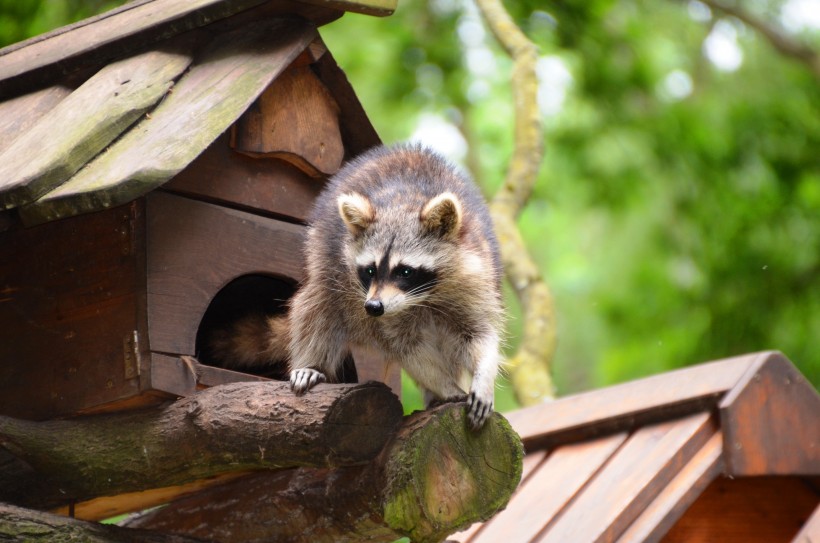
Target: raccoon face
{"x": 396, "y": 263}
{"x": 393, "y": 288}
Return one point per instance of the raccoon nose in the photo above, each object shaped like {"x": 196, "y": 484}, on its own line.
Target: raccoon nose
{"x": 374, "y": 308}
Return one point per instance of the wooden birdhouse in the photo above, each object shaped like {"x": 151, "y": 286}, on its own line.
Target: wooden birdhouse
{"x": 157, "y": 165}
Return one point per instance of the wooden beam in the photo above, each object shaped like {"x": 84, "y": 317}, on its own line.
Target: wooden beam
{"x": 84, "y": 123}
{"x": 19, "y": 114}
{"x": 629, "y": 405}
{"x": 222, "y": 84}
{"x": 673, "y": 501}
{"x": 771, "y": 422}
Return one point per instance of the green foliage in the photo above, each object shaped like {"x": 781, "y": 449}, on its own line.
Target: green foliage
{"x": 674, "y": 226}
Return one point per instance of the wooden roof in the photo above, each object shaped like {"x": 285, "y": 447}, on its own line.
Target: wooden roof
{"x": 98, "y": 113}
{"x": 627, "y": 463}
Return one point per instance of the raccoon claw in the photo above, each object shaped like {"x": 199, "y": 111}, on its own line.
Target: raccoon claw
{"x": 304, "y": 379}
{"x": 478, "y": 411}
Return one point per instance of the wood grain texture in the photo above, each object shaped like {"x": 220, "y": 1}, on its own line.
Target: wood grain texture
{"x": 230, "y": 428}
{"x": 771, "y": 421}
{"x": 296, "y": 120}
{"x": 195, "y": 249}
{"x": 632, "y": 404}
{"x": 85, "y": 122}
{"x": 222, "y": 84}
{"x": 143, "y": 22}
{"x": 262, "y": 185}
{"x": 68, "y": 303}
{"x": 673, "y": 501}
{"x": 433, "y": 477}
{"x": 530, "y": 463}
{"x": 19, "y": 114}
{"x": 747, "y": 510}
{"x": 18, "y": 524}
{"x": 631, "y": 479}
{"x": 549, "y": 490}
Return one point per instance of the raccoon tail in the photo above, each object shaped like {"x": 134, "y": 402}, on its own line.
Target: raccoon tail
{"x": 254, "y": 341}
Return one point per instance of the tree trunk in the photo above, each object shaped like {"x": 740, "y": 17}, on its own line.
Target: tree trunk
{"x": 17, "y": 524}
{"x": 434, "y": 478}
{"x": 228, "y": 428}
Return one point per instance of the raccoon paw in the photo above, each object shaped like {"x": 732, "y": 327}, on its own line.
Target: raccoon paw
{"x": 304, "y": 379}
{"x": 478, "y": 410}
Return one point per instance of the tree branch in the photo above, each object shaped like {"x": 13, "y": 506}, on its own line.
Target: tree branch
{"x": 228, "y": 428}
{"x": 530, "y": 366}
{"x": 781, "y": 41}
{"x": 434, "y": 478}
{"x": 18, "y": 524}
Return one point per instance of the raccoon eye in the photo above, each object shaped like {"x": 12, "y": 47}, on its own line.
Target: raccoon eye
{"x": 405, "y": 272}
{"x": 370, "y": 271}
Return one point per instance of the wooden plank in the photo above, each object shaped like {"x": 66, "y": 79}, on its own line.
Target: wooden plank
{"x": 69, "y": 301}
{"x": 296, "y": 120}
{"x": 547, "y": 492}
{"x": 137, "y": 22}
{"x": 112, "y": 506}
{"x": 184, "y": 375}
{"x": 673, "y": 501}
{"x": 771, "y": 421}
{"x": 222, "y": 84}
{"x": 631, "y": 479}
{"x": 358, "y": 133}
{"x": 269, "y": 186}
{"x": 632, "y": 404}
{"x": 85, "y": 122}
{"x": 747, "y": 510}
{"x": 195, "y": 249}
{"x": 530, "y": 463}
{"x": 810, "y": 532}
{"x": 19, "y": 114}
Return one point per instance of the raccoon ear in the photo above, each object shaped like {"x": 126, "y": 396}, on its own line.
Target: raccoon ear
{"x": 442, "y": 215}
{"x": 356, "y": 212}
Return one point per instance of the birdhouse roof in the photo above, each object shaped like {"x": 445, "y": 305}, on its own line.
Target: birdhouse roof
{"x": 626, "y": 463}
{"x": 98, "y": 113}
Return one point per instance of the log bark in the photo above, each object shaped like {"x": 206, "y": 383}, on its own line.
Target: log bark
{"x": 228, "y": 428}
{"x": 18, "y": 524}
{"x": 434, "y": 478}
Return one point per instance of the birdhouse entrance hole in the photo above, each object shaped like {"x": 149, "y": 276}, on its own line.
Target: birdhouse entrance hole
{"x": 250, "y": 295}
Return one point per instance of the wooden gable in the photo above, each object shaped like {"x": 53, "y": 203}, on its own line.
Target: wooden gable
{"x": 152, "y": 159}
{"x": 726, "y": 451}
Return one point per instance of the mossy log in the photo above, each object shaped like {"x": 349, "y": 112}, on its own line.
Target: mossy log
{"x": 18, "y": 524}
{"x": 434, "y": 478}
{"x": 228, "y": 428}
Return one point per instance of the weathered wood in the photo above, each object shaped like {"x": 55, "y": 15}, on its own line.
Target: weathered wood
{"x": 434, "y": 477}
{"x": 630, "y": 480}
{"x": 530, "y": 463}
{"x": 195, "y": 249}
{"x": 19, "y": 114}
{"x": 68, "y": 303}
{"x": 565, "y": 473}
{"x": 223, "y": 429}
{"x": 87, "y": 120}
{"x": 771, "y": 422}
{"x": 673, "y": 501}
{"x": 630, "y": 405}
{"x": 267, "y": 186}
{"x": 25, "y": 525}
{"x": 222, "y": 84}
{"x": 358, "y": 133}
{"x": 747, "y": 510}
{"x": 296, "y": 120}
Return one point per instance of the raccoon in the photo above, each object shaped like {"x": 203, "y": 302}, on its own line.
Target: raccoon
{"x": 402, "y": 260}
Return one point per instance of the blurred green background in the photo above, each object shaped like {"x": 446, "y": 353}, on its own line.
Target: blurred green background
{"x": 677, "y": 214}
